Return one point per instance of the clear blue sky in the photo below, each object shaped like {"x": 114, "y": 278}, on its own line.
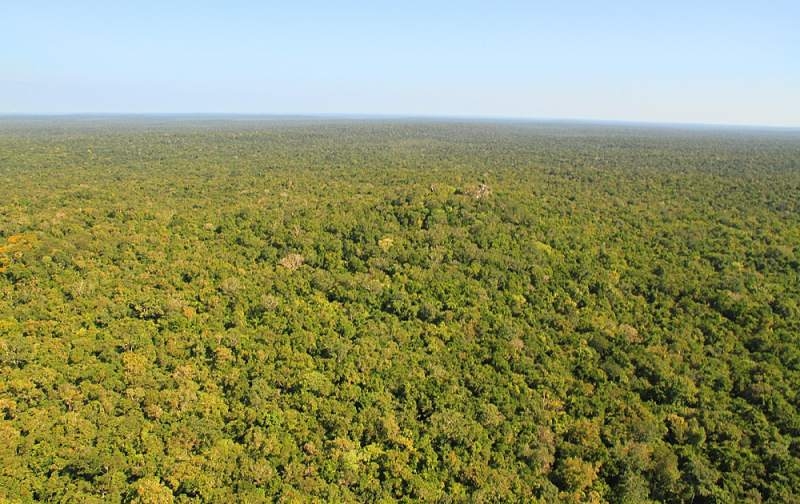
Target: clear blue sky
{"x": 701, "y": 61}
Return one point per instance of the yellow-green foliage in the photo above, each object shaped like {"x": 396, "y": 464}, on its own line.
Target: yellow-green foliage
{"x": 296, "y": 311}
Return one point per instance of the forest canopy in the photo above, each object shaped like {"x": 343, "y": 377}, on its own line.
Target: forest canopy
{"x": 256, "y": 310}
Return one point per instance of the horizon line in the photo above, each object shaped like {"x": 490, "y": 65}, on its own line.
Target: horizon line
{"x": 402, "y": 116}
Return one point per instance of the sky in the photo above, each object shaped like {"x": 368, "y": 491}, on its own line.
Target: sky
{"x": 709, "y": 62}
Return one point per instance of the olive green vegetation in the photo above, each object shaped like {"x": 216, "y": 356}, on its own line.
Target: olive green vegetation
{"x": 248, "y": 310}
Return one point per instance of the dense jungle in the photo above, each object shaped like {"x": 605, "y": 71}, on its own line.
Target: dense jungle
{"x": 245, "y": 309}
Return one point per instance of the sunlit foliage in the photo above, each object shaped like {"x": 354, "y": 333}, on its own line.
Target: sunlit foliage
{"x": 251, "y": 310}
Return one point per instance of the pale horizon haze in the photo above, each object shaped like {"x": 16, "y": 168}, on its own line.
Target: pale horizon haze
{"x": 677, "y": 62}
